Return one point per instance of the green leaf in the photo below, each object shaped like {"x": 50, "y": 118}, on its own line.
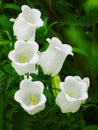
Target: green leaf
{"x": 3, "y": 41}
{"x": 4, "y": 21}
{"x": 11, "y": 6}
{"x": 80, "y": 51}
{"x": 48, "y": 94}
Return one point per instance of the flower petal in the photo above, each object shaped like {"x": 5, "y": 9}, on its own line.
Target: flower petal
{"x": 57, "y": 44}
{"x": 24, "y": 96}
{"x": 23, "y": 31}
{"x": 22, "y": 69}
{"x": 66, "y": 106}
{"x": 11, "y": 55}
{"x": 87, "y": 81}
{"x": 54, "y": 55}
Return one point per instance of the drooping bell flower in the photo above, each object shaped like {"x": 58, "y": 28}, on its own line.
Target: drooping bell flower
{"x": 53, "y": 58}
{"x": 74, "y": 91}
{"x": 26, "y": 23}
{"x": 24, "y": 57}
{"x": 30, "y": 96}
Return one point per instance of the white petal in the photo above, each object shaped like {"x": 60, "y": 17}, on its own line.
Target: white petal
{"x": 19, "y": 44}
{"x": 34, "y": 44}
{"x": 11, "y": 55}
{"x": 33, "y": 15}
{"x": 75, "y": 106}
{"x": 24, "y": 95}
{"x": 77, "y": 78}
{"x": 25, "y": 8}
{"x": 74, "y": 88}
{"x": 35, "y": 109}
{"x": 57, "y": 44}
{"x": 55, "y": 55}
{"x": 17, "y": 96}
{"x": 66, "y": 106}
{"x": 70, "y": 81}
{"x": 40, "y": 85}
{"x": 23, "y": 31}
{"x": 37, "y": 85}
{"x": 34, "y": 59}
{"x": 36, "y": 12}
{"x": 54, "y": 61}
{"x": 29, "y": 45}
{"x": 24, "y": 83}
{"x": 36, "y": 18}
{"x": 87, "y": 81}
{"x": 60, "y": 101}
{"x": 22, "y": 48}
{"x": 28, "y": 11}
{"x": 21, "y": 69}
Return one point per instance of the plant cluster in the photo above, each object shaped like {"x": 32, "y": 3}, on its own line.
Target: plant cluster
{"x": 51, "y": 94}
{"x": 25, "y": 59}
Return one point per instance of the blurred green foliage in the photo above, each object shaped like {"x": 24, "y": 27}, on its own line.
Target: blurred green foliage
{"x": 75, "y": 22}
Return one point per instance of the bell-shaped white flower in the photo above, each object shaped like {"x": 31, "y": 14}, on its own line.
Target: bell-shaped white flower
{"x": 26, "y": 23}
{"x": 30, "y": 96}
{"x": 24, "y": 57}
{"x": 53, "y": 58}
{"x": 73, "y": 93}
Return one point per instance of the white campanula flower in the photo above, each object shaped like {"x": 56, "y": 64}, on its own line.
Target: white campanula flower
{"x": 53, "y": 58}
{"x": 26, "y": 23}
{"x": 73, "y": 93}
{"x": 30, "y": 96}
{"x": 24, "y": 57}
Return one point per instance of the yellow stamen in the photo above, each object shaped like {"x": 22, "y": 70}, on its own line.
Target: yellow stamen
{"x": 71, "y": 93}
{"x": 33, "y": 100}
{"x": 29, "y": 20}
{"x": 23, "y": 58}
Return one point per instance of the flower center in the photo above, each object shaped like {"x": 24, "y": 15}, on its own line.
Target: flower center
{"x": 71, "y": 93}
{"x": 29, "y": 20}
{"x": 34, "y": 100}
{"x": 23, "y": 58}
